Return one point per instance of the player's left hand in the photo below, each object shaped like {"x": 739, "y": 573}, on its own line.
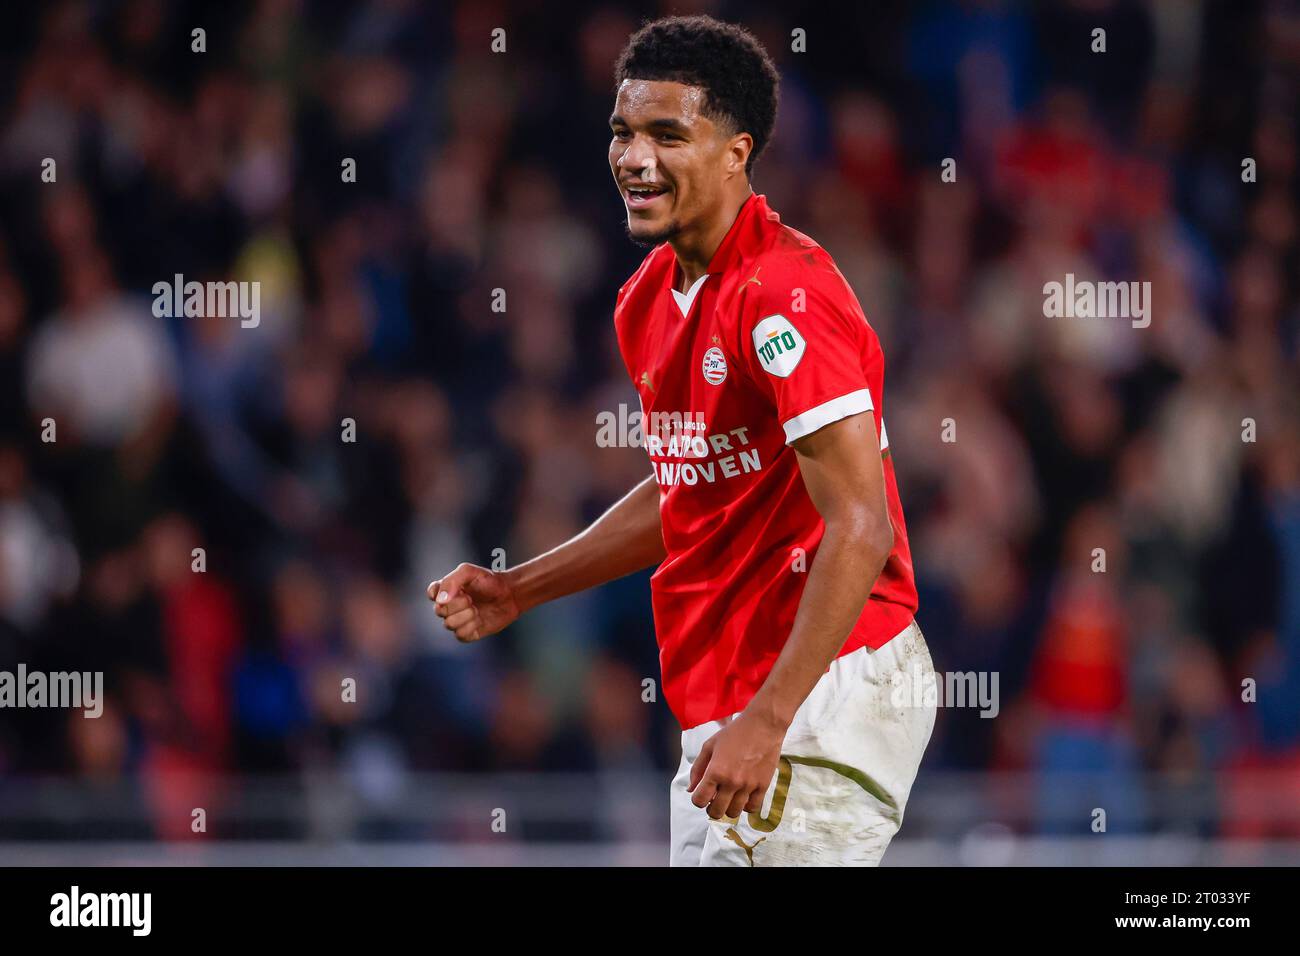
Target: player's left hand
{"x": 735, "y": 766}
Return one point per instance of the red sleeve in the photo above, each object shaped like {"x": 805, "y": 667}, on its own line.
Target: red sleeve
{"x": 803, "y": 338}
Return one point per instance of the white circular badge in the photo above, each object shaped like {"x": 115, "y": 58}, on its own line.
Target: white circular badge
{"x": 715, "y": 366}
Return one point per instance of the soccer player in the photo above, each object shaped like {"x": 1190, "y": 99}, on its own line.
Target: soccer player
{"x": 783, "y": 598}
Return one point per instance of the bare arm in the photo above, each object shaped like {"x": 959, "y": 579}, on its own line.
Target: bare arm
{"x": 475, "y": 602}
{"x": 626, "y": 538}
{"x": 845, "y": 478}
{"x": 842, "y": 470}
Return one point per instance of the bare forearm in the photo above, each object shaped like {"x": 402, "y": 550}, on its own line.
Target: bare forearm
{"x": 626, "y": 538}
{"x": 840, "y": 580}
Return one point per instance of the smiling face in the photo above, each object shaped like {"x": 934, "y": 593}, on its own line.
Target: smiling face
{"x": 670, "y": 161}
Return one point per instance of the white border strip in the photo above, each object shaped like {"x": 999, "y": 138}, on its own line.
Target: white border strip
{"x": 827, "y": 412}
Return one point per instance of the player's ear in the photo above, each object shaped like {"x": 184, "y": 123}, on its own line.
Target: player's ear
{"x": 738, "y": 149}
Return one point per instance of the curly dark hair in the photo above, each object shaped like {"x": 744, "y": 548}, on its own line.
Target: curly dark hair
{"x": 738, "y": 77}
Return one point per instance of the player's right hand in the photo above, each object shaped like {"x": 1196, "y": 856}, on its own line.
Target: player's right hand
{"x": 473, "y": 602}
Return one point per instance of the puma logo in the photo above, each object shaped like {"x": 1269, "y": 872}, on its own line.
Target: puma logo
{"x": 645, "y": 380}
{"x": 754, "y": 277}
{"x": 734, "y": 837}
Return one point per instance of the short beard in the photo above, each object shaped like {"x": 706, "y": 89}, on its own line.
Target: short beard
{"x": 668, "y": 232}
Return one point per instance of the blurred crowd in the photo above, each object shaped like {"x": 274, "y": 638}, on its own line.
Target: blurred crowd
{"x": 200, "y": 530}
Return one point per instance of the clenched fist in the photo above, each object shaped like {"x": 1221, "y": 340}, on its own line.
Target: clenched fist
{"x": 474, "y": 602}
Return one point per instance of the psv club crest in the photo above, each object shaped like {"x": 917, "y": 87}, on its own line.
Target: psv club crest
{"x": 715, "y": 366}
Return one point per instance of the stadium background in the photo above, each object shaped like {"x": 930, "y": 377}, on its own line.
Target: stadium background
{"x": 476, "y": 429}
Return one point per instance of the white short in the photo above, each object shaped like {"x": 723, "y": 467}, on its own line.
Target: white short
{"x": 847, "y": 766}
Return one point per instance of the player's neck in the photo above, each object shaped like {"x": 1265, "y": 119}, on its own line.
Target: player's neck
{"x": 695, "y": 251}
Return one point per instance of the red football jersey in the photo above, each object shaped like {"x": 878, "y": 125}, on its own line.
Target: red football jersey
{"x": 770, "y": 345}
